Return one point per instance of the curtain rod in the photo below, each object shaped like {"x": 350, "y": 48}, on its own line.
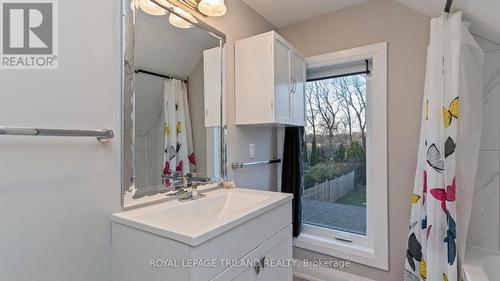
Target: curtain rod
{"x": 160, "y": 75}
{"x": 367, "y": 71}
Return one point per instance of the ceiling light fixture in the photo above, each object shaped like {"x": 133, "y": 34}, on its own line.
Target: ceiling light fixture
{"x": 151, "y": 8}
{"x": 180, "y": 22}
{"x": 212, "y": 8}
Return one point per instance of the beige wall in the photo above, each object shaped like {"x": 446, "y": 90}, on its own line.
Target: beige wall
{"x": 406, "y": 32}
{"x": 241, "y": 22}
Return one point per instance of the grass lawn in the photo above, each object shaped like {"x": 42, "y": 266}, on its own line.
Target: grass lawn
{"x": 356, "y": 197}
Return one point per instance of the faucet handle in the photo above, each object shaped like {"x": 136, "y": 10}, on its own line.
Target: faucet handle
{"x": 194, "y": 189}
{"x": 194, "y": 174}
{"x": 173, "y": 176}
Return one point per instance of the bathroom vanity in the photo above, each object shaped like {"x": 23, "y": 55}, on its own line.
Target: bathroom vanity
{"x": 231, "y": 234}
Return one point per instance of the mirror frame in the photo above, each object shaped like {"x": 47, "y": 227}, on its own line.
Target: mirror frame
{"x": 127, "y": 94}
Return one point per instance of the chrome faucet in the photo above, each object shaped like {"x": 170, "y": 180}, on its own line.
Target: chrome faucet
{"x": 181, "y": 182}
{"x": 194, "y": 193}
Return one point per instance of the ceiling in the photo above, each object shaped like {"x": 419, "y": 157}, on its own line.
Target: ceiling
{"x": 483, "y": 14}
{"x": 166, "y": 49}
{"x": 281, "y": 13}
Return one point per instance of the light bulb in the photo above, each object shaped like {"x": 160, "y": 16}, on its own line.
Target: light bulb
{"x": 213, "y": 8}
{"x": 214, "y": 2}
{"x": 165, "y": 3}
{"x": 134, "y": 4}
{"x": 151, "y": 8}
{"x": 179, "y": 22}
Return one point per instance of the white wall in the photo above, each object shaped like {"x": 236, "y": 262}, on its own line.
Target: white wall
{"x": 484, "y": 229}
{"x": 57, "y": 194}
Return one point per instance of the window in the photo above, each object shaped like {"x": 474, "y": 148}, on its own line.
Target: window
{"x": 335, "y": 176}
{"x": 345, "y": 178}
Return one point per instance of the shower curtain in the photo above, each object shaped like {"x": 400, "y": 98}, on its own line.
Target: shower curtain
{"x": 178, "y": 156}
{"x": 448, "y": 152}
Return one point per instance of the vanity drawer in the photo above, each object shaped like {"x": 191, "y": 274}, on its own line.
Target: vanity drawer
{"x": 277, "y": 248}
{"x": 241, "y": 240}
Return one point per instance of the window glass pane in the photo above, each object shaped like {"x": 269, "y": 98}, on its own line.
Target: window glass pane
{"x": 335, "y": 159}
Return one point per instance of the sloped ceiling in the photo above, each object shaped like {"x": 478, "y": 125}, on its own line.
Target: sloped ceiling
{"x": 281, "y": 13}
{"x": 163, "y": 48}
{"x": 484, "y": 15}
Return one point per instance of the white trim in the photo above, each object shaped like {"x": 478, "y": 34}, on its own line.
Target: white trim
{"x": 372, "y": 249}
{"x": 324, "y": 274}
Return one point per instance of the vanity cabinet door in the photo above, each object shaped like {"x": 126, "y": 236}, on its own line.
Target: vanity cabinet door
{"x": 275, "y": 256}
{"x": 269, "y": 261}
{"x": 236, "y": 274}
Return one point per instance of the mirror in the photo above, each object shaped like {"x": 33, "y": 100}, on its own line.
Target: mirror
{"x": 172, "y": 103}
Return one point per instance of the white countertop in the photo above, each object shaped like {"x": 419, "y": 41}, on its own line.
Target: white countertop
{"x": 195, "y": 222}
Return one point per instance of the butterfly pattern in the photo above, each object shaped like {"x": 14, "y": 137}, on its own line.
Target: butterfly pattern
{"x": 414, "y": 251}
{"x": 432, "y": 232}
{"x": 434, "y": 158}
{"x": 445, "y": 195}
{"x": 449, "y": 147}
{"x": 451, "y": 235}
{"x": 451, "y": 112}
{"x": 178, "y": 146}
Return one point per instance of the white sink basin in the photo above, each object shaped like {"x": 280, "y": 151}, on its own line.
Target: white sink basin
{"x": 197, "y": 221}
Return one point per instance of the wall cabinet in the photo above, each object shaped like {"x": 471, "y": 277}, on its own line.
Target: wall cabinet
{"x": 270, "y": 79}
{"x": 212, "y": 86}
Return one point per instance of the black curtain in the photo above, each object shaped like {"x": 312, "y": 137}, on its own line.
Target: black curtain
{"x": 291, "y": 177}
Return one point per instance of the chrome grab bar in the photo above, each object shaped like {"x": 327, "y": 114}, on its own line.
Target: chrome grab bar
{"x": 102, "y": 135}
{"x": 240, "y": 165}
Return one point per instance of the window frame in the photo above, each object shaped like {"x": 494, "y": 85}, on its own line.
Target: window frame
{"x": 372, "y": 249}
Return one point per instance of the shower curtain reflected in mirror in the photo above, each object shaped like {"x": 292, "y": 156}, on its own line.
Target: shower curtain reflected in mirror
{"x": 448, "y": 152}
{"x": 178, "y": 148}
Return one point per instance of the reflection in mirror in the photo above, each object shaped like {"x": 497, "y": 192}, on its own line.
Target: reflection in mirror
{"x": 176, "y": 108}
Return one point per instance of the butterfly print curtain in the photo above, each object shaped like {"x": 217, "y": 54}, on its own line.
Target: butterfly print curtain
{"x": 179, "y": 156}
{"x": 448, "y": 153}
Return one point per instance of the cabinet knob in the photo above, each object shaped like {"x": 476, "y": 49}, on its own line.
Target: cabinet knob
{"x": 260, "y": 265}
{"x": 257, "y": 268}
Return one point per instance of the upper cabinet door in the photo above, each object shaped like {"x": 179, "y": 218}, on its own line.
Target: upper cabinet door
{"x": 282, "y": 82}
{"x": 212, "y": 71}
{"x": 269, "y": 81}
{"x": 298, "y": 83}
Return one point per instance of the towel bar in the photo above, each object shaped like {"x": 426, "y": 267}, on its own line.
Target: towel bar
{"x": 102, "y": 135}
{"x": 240, "y": 165}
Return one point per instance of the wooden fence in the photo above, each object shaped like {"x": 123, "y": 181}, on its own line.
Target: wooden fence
{"x": 331, "y": 191}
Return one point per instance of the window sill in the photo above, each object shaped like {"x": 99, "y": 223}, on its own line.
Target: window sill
{"x": 340, "y": 249}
